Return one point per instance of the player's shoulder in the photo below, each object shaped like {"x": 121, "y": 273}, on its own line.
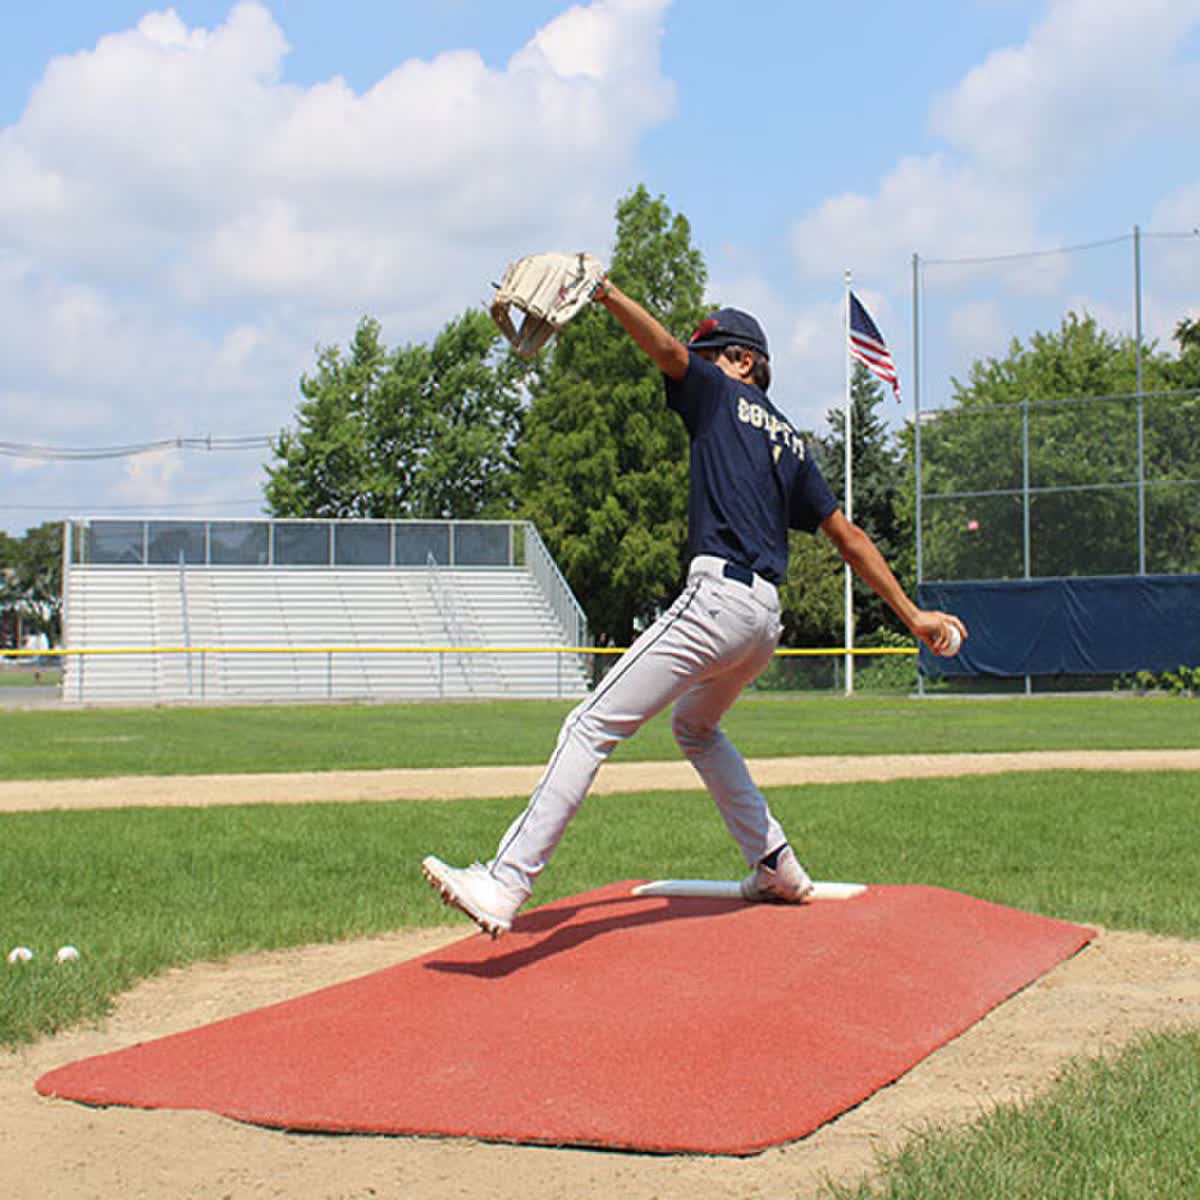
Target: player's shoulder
{"x": 701, "y": 371}
{"x": 702, "y": 385}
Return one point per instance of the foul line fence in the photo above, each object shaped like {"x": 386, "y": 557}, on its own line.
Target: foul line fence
{"x": 81, "y": 651}
{"x": 201, "y": 654}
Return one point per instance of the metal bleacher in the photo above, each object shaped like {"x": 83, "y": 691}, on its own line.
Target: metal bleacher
{"x": 420, "y": 624}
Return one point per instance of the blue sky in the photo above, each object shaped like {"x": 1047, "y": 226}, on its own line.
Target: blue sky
{"x": 196, "y": 197}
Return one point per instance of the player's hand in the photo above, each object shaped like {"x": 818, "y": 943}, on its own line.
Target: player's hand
{"x": 934, "y": 629}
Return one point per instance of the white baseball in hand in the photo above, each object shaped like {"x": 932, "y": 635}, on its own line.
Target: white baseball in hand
{"x": 954, "y": 641}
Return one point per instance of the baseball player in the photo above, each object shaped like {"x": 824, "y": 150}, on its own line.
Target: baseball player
{"x": 751, "y": 480}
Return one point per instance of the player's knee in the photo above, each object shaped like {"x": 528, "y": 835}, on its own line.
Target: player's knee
{"x": 601, "y": 732}
{"x": 693, "y": 737}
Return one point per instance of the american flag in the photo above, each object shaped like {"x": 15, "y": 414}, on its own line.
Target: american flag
{"x": 868, "y": 346}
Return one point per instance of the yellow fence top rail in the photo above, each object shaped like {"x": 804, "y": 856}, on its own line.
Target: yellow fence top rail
{"x": 96, "y": 651}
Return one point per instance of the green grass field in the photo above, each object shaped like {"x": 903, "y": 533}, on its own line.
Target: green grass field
{"x": 141, "y": 890}
{"x": 27, "y": 677}
{"x": 170, "y": 741}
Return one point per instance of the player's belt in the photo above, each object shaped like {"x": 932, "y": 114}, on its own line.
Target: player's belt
{"x": 709, "y": 564}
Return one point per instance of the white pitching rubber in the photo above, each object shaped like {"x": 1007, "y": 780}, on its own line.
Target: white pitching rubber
{"x": 731, "y": 889}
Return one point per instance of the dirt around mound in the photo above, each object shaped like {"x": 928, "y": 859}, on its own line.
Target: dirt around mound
{"x": 1121, "y": 985}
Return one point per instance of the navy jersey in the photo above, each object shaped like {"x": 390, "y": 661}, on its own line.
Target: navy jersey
{"x": 751, "y": 477}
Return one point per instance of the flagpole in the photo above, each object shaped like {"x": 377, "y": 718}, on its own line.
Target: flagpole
{"x": 848, "y": 600}
{"x": 916, "y": 391}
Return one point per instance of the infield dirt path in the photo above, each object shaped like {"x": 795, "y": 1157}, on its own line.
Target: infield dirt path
{"x": 1119, "y": 986}
{"x": 464, "y": 783}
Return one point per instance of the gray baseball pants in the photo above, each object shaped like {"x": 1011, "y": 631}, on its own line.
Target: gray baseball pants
{"x": 715, "y": 639}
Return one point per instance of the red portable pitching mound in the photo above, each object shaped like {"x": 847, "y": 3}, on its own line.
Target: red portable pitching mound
{"x": 607, "y": 1019}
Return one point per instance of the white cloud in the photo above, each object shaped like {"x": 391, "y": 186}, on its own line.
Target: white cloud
{"x": 978, "y": 329}
{"x": 180, "y": 228}
{"x": 147, "y": 479}
{"x": 236, "y": 349}
{"x": 586, "y": 41}
{"x": 1090, "y": 78}
{"x": 84, "y": 367}
{"x": 1171, "y": 263}
{"x": 1179, "y": 211}
{"x": 814, "y": 351}
{"x": 149, "y": 137}
{"x": 178, "y": 152}
{"x": 924, "y": 205}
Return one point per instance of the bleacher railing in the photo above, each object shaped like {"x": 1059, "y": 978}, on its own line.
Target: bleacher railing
{"x": 554, "y": 587}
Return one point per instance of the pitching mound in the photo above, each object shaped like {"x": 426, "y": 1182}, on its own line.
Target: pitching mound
{"x": 607, "y": 1019}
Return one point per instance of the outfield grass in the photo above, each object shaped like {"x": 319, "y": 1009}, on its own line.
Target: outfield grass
{"x": 17, "y": 678}
{"x": 168, "y": 741}
{"x": 26, "y": 677}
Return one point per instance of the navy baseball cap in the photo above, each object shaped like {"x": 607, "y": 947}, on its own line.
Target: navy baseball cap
{"x": 729, "y": 327}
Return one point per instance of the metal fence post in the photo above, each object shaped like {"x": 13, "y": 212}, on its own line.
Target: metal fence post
{"x": 916, "y": 391}
{"x": 1141, "y": 413}
{"x": 1025, "y": 506}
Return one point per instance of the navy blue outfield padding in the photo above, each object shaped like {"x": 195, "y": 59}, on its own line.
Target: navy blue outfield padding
{"x": 1093, "y": 625}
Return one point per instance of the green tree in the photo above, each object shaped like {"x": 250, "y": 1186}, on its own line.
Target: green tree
{"x": 1173, "y": 454}
{"x": 812, "y": 596}
{"x": 8, "y": 590}
{"x": 1187, "y": 334}
{"x": 603, "y": 461}
{"x": 1185, "y": 371}
{"x": 421, "y": 431}
{"x": 31, "y": 582}
{"x": 1089, "y": 449}
{"x": 878, "y": 473}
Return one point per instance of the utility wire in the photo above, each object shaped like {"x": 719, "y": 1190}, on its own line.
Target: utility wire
{"x": 76, "y": 507}
{"x": 93, "y": 453}
{"x": 1027, "y": 254}
{"x": 1024, "y": 254}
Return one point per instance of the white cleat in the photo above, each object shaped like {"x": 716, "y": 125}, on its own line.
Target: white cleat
{"x": 788, "y": 883}
{"x": 474, "y": 891}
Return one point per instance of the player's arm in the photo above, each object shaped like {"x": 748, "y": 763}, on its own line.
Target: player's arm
{"x": 668, "y": 353}
{"x": 863, "y": 556}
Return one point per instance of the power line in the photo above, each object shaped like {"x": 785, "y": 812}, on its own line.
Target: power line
{"x": 82, "y": 506}
{"x": 1027, "y": 254}
{"x": 1024, "y": 254}
{"x": 95, "y": 453}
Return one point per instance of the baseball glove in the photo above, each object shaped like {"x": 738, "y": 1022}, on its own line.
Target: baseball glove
{"x": 549, "y": 289}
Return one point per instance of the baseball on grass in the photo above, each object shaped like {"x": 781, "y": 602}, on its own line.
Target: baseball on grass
{"x": 66, "y": 954}
{"x": 19, "y": 954}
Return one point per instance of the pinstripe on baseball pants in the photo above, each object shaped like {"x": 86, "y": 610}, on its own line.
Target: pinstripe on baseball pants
{"x": 715, "y": 639}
